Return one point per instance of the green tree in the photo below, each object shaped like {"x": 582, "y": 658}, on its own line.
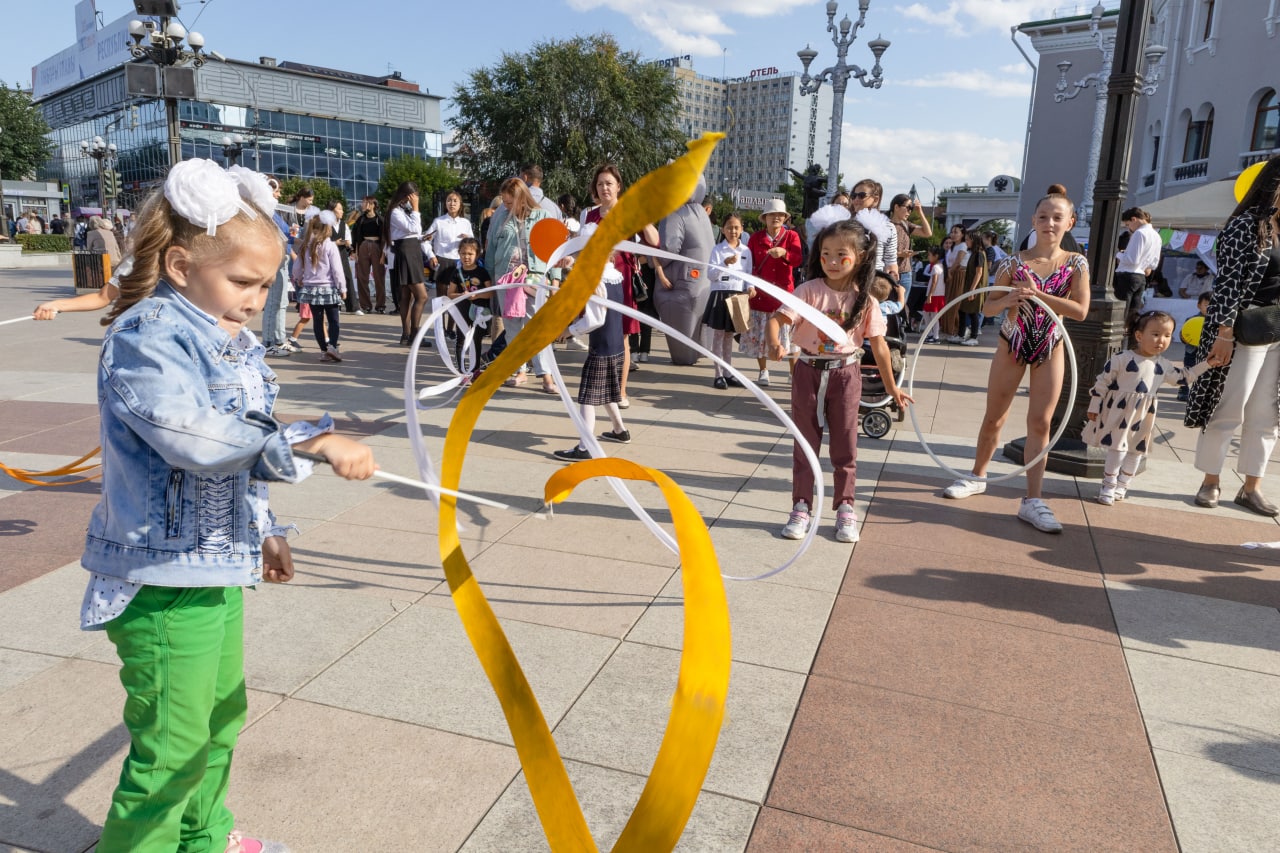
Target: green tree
{"x": 325, "y": 192}
{"x": 432, "y": 177}
{"x": 23, "y": 144}
{"x": 568, "y": 106}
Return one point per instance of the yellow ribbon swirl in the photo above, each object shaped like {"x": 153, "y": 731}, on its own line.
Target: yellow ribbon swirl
{"x": 698, "y": 706}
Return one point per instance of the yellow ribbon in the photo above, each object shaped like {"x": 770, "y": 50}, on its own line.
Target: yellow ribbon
{"x": 698, "y": 706}
{"x": 38, "y": 478}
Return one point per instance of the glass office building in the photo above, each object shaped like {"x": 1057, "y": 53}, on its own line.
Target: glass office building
{"x": 296, "y": 121}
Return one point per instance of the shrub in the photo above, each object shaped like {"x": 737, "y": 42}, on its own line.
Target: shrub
{"x": 45, "y": 242}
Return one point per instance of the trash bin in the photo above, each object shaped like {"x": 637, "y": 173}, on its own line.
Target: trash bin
{"x": 90, "y": 270}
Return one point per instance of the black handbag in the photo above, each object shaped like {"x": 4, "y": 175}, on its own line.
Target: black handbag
{"x": 1258, "y": 325}
{"x": 639, "y": 287}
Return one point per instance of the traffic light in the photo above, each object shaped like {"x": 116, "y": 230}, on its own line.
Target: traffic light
{"x": 111, "y": 183}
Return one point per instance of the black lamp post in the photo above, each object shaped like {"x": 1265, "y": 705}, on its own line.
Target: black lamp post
{"x": 232, "y": 148}
{"x": 1101, "y": 333}
{"x": 163, "y": 45}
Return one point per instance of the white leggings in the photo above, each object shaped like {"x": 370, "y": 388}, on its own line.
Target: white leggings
{"x": 722, "y": 345}
{"x": 1249, "y": 400}
{"x": 1118, "y": 462}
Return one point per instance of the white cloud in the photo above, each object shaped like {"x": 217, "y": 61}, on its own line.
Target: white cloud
{"x": 1019, "y": 68}
{"x": 898, "y": 157}
{"x": 689, "y": 26}
{"x": 972, "y": 81}
{"x": 964, "y": 17}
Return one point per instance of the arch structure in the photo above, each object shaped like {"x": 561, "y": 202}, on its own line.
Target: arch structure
{"x": 971, "y": 206}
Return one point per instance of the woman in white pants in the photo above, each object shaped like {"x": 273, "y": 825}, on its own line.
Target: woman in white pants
{"x": 1239, "y": 392}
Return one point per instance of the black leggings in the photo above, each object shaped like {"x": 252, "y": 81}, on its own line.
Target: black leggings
{"x": 321, "y": 315}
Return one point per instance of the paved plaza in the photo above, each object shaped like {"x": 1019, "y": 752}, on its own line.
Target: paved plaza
{"x": 956, "y": 681}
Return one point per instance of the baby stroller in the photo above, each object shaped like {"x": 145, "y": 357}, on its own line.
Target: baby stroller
{"x": 876, "y": 404}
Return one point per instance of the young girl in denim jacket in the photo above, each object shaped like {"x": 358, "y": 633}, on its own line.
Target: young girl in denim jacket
{"x": 188, "y": 445}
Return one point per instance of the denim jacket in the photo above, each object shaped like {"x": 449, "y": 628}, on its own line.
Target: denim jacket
{"x": 178, "y": 449}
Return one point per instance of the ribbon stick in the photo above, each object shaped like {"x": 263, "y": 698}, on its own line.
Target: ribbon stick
{"x": 16, "y": 320}
{"x": 417, "y": 484}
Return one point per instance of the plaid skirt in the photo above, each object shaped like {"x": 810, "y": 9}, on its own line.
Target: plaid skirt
{"x": 601, "y": 380}
{"x": 319, "y": 294}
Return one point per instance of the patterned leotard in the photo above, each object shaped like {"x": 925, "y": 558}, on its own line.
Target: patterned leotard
{"x": 1030, "y": 333}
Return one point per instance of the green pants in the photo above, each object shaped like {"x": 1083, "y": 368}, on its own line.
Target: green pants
{"x": 182, "y": 656}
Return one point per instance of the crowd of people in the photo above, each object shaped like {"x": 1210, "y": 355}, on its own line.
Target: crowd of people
{"x": 189, "y": 446}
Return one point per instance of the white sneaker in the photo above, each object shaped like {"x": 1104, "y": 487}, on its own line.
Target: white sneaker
{"x": 359, "y": 312}
{"x": 642, "y": 357}
{"x": 846, "y": 523}
{"x": 961, "y": 489}
{"x": 763, "y": 379}
{"x": 1037, "y": 513}
{"x": 969, "y": 342}
{"x": 798, "y": 522}
{"x": 574, "y": 343}
{"x": 954, "y": 339}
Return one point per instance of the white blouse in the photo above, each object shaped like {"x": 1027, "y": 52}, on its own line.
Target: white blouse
{"x": 446, "y": 233}
{"x": 404, "y": 224}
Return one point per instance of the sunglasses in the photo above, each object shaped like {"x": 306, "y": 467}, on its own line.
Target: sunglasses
{"x": 859, "y": 195}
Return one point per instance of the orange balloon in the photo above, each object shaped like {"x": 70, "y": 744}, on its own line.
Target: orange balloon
{"x": 546, "y": 236}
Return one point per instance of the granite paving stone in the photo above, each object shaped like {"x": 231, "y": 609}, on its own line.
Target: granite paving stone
{"x": 1017, "y": 672}
{"x": 1218, "y": 808}
{"x": 390, "y": 785}
{"x": 420, "y": 668}
{"x": 773, "y": 625}
{"x": 956, "y": 778}
{"x": 1208, "y": 711}
{"x": 619, "y": 720}
{"x": 608, "y": 797}
{"x": 1210, "y": 630}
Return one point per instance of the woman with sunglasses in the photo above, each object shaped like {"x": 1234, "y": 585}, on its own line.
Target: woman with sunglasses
{"x": 901, "y": 209}
{"x": 866, "y": 195}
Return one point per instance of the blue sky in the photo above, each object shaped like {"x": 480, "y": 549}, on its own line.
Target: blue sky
{"x": 953, "y": 106}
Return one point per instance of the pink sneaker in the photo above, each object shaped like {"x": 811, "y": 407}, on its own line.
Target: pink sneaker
{"x": 238, "y": 842}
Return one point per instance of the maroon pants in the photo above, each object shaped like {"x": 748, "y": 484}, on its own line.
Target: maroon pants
{"x": 369, "y": 258}
{"x": 844, "y": 391}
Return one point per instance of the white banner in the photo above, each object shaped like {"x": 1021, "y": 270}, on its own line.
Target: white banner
{"x": 95, "y": 51}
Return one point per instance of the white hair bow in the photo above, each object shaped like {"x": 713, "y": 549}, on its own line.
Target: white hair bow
{"x": 254, "y": 188}
{"x": 201, "y": 192}
{"x": 875, "y": 222}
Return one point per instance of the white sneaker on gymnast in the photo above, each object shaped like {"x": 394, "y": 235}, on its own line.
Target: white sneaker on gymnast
{"x": 961, "y": 489}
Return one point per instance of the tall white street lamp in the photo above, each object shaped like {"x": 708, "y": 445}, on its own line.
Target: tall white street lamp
{"x": 163, "y": 45}
{"x": 838, "y": 75}
{"x": 1105, "y": 42}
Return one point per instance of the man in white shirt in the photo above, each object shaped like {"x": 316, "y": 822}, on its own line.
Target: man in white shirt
{"x": 1136, "y": 262}
{"x": 1196, "y": 283}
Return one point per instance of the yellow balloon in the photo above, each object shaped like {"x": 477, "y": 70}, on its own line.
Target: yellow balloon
{"x": 1246, "y": 179}
{"x": 1191, "y": 330}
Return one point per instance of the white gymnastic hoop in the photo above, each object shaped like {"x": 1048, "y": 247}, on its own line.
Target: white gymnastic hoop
{"x": 911, "y": 383}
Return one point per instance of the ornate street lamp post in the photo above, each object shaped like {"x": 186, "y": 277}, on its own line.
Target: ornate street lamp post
{"x": 838, "y": 75}
{"x": 163, "y": 45}
{"x": 105, "y": 154}
{"x": 232, "y": 148}
{"x": 1099, "y": 335}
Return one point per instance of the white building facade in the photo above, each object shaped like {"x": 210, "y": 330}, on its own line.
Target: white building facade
{"x": 1214, "y": 112}
{"x": 771, "y": 128}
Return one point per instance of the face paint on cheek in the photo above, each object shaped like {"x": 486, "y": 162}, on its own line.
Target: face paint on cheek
{"x": 846, "y": 262}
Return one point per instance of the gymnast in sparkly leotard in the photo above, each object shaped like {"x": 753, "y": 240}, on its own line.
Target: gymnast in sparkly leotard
{"x": 1030, "y": 343}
